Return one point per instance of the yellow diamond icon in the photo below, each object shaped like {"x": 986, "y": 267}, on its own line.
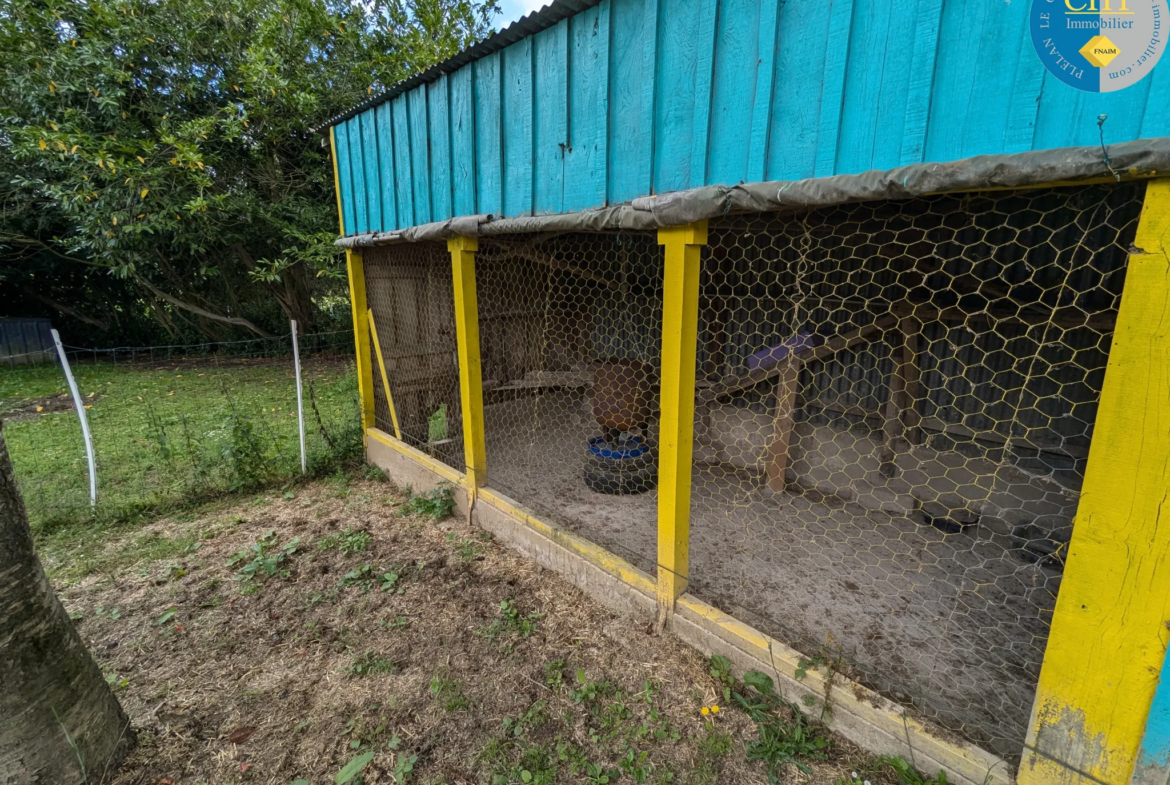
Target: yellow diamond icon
{"x": 1100, "y": 51}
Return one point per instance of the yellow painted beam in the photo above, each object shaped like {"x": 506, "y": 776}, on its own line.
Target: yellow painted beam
{"x": 418, "y": 456}
{"x": 336, "y": 180}
{"x": 594, "y": 554}
{"x": 385, "y": 378}
{"x": 361, "y": 336}
{"x": 680, "y": 327}
{"x": 470, "y": 382}
{"x": 1109, "y": 633}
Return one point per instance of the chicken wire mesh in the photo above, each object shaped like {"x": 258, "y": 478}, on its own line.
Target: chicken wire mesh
{"x": 895, "y": 406}
{"x": 411, "y": 298}
{"x": 171, "y": 424}
{"x": 570, "y": 341}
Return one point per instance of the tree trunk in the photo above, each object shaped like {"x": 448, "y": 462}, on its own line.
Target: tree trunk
{"x": 59, "y": 721}
{"x": 292, "y": 291}
{"x": 298, "y": 299}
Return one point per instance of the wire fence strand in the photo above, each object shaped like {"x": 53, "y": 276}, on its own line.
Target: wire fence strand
{"x": 177, "y": 423}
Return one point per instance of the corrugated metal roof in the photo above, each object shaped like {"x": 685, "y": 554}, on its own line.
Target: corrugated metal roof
{"x": 525, "y": 26}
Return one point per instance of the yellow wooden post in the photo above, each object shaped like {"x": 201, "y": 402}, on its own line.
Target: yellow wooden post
{"x": 680, "y": 327}
{"x": 361, "y": 337}
{"x": 357, "y": 302}
{"x": 1109, "y": 632}
{"x": 470, "y": 383}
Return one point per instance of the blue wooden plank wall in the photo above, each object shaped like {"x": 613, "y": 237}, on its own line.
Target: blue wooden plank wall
{"x": 634, "y": 97}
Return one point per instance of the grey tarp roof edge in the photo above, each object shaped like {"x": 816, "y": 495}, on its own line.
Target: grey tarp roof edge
{"x": 1067, "y": 166}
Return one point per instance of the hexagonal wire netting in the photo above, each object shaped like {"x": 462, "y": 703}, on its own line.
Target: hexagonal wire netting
{"x": 409, "y": 291}
{"x": 570, "y": 336}
{"x": 894, "y": 408}
{"x": 895, "y": 412}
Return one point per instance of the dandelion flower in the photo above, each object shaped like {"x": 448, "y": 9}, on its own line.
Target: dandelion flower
{"x": 704, "y": 711}
{"x": 714, "y": 709}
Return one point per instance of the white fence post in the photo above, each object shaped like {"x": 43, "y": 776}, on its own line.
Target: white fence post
{"x": 300, "y": 397}
{"x": 77, "y": 402}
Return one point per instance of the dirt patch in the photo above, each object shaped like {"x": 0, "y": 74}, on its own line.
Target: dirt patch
{"x": 449, "y": 658}
{"x": 14, "y": 410}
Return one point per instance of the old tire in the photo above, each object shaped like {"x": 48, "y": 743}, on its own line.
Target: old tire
{"x": 620, "y": 482}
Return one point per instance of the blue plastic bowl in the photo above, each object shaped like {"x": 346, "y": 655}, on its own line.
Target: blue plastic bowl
{"x": 599, "y": 447}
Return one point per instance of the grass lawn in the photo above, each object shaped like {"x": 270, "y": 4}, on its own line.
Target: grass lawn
{"x": 283, "y": 636}
{"x": 164, "y": 435}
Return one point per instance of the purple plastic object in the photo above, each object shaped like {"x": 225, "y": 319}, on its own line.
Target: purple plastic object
{"x": 769, "y": 356}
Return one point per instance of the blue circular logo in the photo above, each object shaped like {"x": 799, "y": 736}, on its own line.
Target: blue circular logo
{"x": 1099, "y": 45}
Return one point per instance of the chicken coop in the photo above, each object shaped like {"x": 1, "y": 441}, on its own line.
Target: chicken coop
{"x": 829, "y": 354}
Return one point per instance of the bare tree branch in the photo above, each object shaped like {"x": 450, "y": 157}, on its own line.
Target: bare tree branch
{"x": 244, "y": 256}
{"x": 237, "y": 320}
{"x": 32, "y": 242}
{"x": 65, "y": 309}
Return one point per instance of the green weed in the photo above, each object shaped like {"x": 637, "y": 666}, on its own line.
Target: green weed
{"x": 512, "y": 622}
{"x": 116, "y": 683}
{"x": 367, "y": 575}
{"x": 403, "y": 766}
{"x": 467, "y": 549}
{"x": 634, "y": 764}
{"x": 715, "y": 743}
{"x": 721, "y": 672}
{"x": 534, "y": 717}
{"x": 348, "y": 542}
{"x": 370, "y": 664}
{"x": 786, "y": 737}
{"x": 436, "y": 504}
{"x": 437, "y": 425}
{"x": 372, "y": 472}
{"x": 783, "y": 742}
{"x": 589, "y": 691}
{"x": 907, "y": 774}
{"x": 535, "y": 767}
{"x": 596, "y": 775}
{"x": 266, "y": 558}
{"x": 448, "y": 692}
{"x": 554, "y": 674}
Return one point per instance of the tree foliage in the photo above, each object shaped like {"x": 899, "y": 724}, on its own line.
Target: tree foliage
{"x": 156, "y": 159}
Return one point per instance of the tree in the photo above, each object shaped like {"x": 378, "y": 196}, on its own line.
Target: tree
{"x": 59, "y": 721}
{"x": 167, "y": 142}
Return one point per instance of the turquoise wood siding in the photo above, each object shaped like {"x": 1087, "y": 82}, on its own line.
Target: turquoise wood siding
{"x": 634, "y": 97}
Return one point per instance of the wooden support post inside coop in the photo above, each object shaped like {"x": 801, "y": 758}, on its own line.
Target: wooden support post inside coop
{"x": 900, "y": 414}
{"x": 680, "y": 331}
{"x": 910, "y": 375}
{"x": 1109, "y": 629}
{"x": 470, "y": 371}
{"x": 787, "y": 385}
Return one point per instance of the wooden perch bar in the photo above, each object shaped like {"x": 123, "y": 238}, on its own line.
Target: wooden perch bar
{"x": 838, "y": 343}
